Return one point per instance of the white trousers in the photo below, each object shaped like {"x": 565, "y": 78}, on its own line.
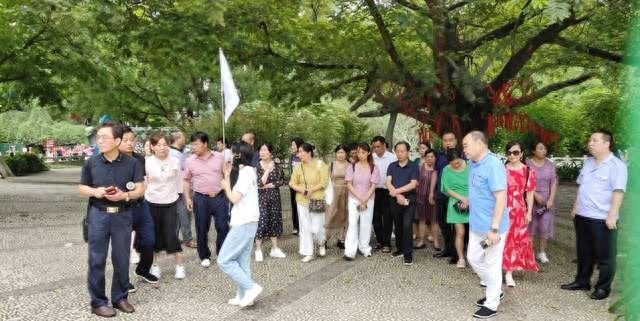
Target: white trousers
{"x": 487, "y": 263}
{"x": 359, "y": 228}
{"x": 311, "y": 229}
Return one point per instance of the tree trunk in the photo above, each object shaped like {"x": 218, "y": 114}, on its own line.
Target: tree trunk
{"x": 393, "y": 117}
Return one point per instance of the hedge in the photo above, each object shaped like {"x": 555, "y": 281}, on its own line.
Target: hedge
{"x": 23, "y": 164}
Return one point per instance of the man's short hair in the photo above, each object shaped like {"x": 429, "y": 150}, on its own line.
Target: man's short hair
{"x": 175, "y": 135}
{"x": 201, "y": 136}
{"x": 116, "y": 129}
{"x": 607, "y": 136}
{"x": 126, "y": 129}
{"x": 379, "y": 139}
{"x": 478, "y": 135}
{"x": 406, "y": 145}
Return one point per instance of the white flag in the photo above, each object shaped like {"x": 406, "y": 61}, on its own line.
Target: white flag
{"x": 229, "y": 91}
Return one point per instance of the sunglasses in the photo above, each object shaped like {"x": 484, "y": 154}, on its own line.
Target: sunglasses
{"x": 513, "y": 152}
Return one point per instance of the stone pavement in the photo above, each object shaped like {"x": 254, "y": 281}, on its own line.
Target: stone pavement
{"x": 43, "y": 274}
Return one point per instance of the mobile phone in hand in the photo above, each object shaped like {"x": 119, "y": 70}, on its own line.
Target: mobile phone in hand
{"x": 484, "y": 244}
{"x": 110, "y": 190}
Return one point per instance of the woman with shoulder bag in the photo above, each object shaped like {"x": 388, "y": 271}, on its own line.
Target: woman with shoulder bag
{"x": 310, "y": 179}
{"x": 455, "y": 184}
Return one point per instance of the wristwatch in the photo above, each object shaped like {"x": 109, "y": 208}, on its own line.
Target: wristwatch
{"x": 494, "y": 230}
{"x": 127, "y": 198}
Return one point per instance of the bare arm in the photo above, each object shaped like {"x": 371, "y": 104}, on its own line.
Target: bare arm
{"x": 409, "y": 187}
{"x": 616, "y": 201}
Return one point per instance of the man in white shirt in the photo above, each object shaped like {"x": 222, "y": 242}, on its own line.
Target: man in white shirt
{"x": 382, "y": 219}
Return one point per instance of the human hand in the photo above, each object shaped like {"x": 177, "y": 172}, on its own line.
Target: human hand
{"x": 611, "y": 222}
{"x": 492, "y": 238}
{"x": 99, "y": 192}
{"x": 117, "y": 196}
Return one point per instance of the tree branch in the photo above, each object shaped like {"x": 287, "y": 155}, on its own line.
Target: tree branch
{"x": 386, "y": 39}
{"x": 596, "y": 52}
{"x": 497, "y": 33}
{"x": 522, "y": 56}
{"x": 30, "y": 42}
{"x": 551, "y": 88}
{"x": 304, "y": 64}
{"x": 459, "y": 4}
{"x": 408, "y": 4}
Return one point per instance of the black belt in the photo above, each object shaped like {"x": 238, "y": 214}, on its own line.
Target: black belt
{"x": 115, "y": 209}
{"x": 207, "y": 195}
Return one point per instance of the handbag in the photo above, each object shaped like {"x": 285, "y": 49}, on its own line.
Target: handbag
{"x": 458, "y": 207}
{"x": 316, "y": 206}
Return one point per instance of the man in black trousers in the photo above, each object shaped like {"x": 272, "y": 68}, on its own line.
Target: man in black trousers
{"x": 448, "y": 141}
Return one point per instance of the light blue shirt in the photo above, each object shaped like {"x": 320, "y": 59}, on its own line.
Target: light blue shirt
{"x": 597, "y": 183}
{"x": 486, "y": 177}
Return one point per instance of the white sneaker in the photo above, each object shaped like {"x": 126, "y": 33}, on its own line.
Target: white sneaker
{"x": 277, "y": 253}
{"x": 250, "y": 295}
{"x": 307, "y": 259}
{"x": 205, "y": 263}
{"x": 235, "y": 301}
{"x": 508, "y": 279}
{"x": 259, "y": 257}
{"x": 180, "y": 272}
{"x": 134, "y": 258}
{"x": 542, "y": 257}
{"x": 155, "y": 270}
{"x": 322, "y": 251}
{"x": 482, "y": 284}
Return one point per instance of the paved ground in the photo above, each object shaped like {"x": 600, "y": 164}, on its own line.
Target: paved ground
{"x": 43, "y": 274}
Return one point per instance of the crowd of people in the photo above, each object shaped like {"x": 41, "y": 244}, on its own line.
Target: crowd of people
{"x": 465, "y": 203}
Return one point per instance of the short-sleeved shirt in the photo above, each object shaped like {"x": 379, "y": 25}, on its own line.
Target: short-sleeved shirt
{"x": 140, "y": 158}
{"x": 597, "y": 183}
{"x": 403, "y": 175}
{"x": 100, "y": 172}
{"x": 315, "y": 174}
{"x": 163, "y": 180}
{"x": 382, "y": 163}
{"x": 361, "y": 178}
{"x": 247, "y": 210}
{"x": 204, "y": 174}
{"x": 486, "y": 177}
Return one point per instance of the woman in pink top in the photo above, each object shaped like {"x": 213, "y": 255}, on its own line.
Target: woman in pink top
{"x": 163, "y": 175}
{"x": 361, "y": 179}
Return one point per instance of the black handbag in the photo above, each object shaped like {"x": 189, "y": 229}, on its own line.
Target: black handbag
{"x": 458, "y": 207}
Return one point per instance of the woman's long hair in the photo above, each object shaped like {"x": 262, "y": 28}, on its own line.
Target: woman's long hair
{"x": 242, "y": 155}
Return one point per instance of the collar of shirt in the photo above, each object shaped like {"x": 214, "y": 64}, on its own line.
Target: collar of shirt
{"x": 117, "y": 159}
{"x": 206, "y": 158}
{"x": 387, "y": 154}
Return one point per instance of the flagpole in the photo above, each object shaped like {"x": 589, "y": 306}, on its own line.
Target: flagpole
{"x": 222, "y": 115}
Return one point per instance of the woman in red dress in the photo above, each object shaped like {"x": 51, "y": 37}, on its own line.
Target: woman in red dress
{"x": 518, "y": 249}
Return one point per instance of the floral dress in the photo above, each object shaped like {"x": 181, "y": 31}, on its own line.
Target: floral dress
{"x": 270, "y": 221}
{"x": 518, "y": 249}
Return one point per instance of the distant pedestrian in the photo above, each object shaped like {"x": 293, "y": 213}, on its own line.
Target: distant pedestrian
{"x": 178, "y": 141}
{"x": 425, "y": 201}
{"x": 294, "y": 161}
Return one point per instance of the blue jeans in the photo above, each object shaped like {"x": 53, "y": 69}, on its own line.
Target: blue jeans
{"x": 184, "y": 220}
{"x": 104, "y": 227}
{"x": 234, "y": 259}
{"x": 204, "y": 207}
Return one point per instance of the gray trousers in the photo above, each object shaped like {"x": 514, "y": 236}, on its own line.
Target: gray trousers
{"x": 184, "y": 220}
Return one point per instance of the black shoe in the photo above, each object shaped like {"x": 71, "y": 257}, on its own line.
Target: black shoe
{"x": 481, "y": 302}
{"x": 147, "y": 277}
{"x": 453, "y": 260}
{"x": 440, "y": 255}
{"x": 437, "y": 249}
{"x": 377, "y": 247}
{"x": 347, "y": 258}
{"x": 340, "y": 244}
{"x": 131, "y": 288}
{"x": 575, "y": 286}
{"x": 484, "y": 313}
{"x": 599, "y": 294}
{"x": 396, "y": 254}
{"x": 386, "y": 249}
{"x": 408, "y": 261}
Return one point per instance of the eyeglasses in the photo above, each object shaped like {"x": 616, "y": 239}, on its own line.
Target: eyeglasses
{"x": 513, "y": 152}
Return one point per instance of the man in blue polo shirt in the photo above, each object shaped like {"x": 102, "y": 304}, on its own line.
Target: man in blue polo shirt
{"x": 488, "y": 219}
{"x": 110, "y": 180}
{"x": 602, "y": 183}
{"x": 402, "y": 179}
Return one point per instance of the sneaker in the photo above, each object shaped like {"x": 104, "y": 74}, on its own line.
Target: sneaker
{"x": 258, "y": 255}
{"x": 408, "y": 261}
{"x": 484, "y": 313}
{"x": 147, "y": 277}
{"x": 322, "y": 251}
{"x": 307, "y": 259}
{"x": 155, "y": 271}
{"x": 180, "y": 272}
{"x": 205, "y": 263}
{"x": 277, "y": 253}
{"x": 250, "y": 295}
{"x": 482, "y": 284}
{"x": 347, "y": 258}
{"x": 542, "y": 257}
{"x": 508, "y": 279}
{"x": 386, "y": 249}
{"x": 367, "y": 254}
{"x": 134, "y": 258}
{"x": 461, "y": 264}
{"x": 235, "y": 301}
{"x": 396, "y": 254}
{"x": 294, "y": 232}
{"x": 131, "y": 288}
{"x": 480, "y": 302}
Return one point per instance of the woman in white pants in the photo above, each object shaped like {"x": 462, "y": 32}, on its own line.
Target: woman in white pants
{"x": 361, "y": 178}
{"x": 310, "y": 179}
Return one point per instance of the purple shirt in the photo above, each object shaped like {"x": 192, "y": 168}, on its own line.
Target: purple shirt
{"x": 362, "y": 179}
{"x": 204, "y": 174}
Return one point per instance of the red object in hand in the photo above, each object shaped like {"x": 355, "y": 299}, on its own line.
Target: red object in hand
{"x": 110, "y": 190}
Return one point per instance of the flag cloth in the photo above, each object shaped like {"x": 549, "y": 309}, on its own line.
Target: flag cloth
{"x": 229, "y": 92}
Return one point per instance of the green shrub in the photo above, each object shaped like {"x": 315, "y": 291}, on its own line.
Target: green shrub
{"x": 23, "y": 164}
{"x": 568, "y": 171}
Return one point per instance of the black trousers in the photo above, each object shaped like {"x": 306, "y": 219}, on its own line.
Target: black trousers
{"x": 382, "y": 218}
{"x": 165, "y": 222}
{"x": 445, "y": 228}
{"x": 403, "y": 222}
{"x": 595, "y": 243}
{"x": 294, "y": 210}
